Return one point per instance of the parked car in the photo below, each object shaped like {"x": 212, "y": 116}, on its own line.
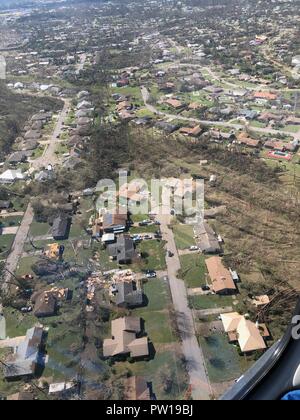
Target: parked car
{"x": 151, "y": 274}
{"x": 170, "y": 254}
{"x": 148, "y": 237}
{"x": 205, "y": 288}
{"x": 194, "y": 248}
{"x": 26, "y": 309}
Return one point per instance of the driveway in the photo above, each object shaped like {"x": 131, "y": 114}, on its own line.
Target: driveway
{"x": 199, "y": 381}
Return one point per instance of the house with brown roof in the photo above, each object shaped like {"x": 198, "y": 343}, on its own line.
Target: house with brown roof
{"x": 248, "y": 141}
{"x": 174, "y": 103}
{"x": 136, "y": 389}
{"x": 265, "y": 95}
{"x": 113, "y": 222}
{"x": 126, "y": 339}
{"x": 191, "y": 131}
{"x": 222, "y": 282}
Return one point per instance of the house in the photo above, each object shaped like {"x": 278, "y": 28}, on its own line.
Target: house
{"x": 61, "y": 227}
{"x": 114, "y": 222}
{"x": 125, "y": 341}
{"x": 194, "y": 106}
{"x": 33, "y": 135}
{"x": 17, "y": 157}
{"x": 248, "y": 114}
{"x": 191, "y": 131}
{"x": 292, "y": 121}
{"x": 127, "y": 294}
{"x": 174, "y": 103}
{"x": 265, "y": 95}
{"x": 27, "y": 356}
{"x": 134, "y": 192}
{"x": 11, "y": 176}
{"x": 222, "y": 282}
{"x": 247, "y": 141}
{"x": 123, "y": 251}
{"x": 269, "y": 116}
{"x": 275, "y": 145}
{"x": 45, "y": 304}
{"x": 136, "y": 389}
{"x": 166, "y": 127}
{"x": 84, "y": 105}
{"x": 246, "y": 333}
{"x": 207, "y": 240}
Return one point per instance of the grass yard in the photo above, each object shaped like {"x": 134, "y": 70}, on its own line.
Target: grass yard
{"x": 193, "y": 270}
{"x": 39, "y": 229}
{"x": 292, "y": 128}
{"x": 167, "y": 361}
{"x": 6, "y": 242}
{"x": 135, "y": 230}
{"x": 105, "y": 263}
{"x": 184, "y": 236}
{"x": 25, "y": 264}
{"x": 157, "y": 293}
{"x": 210, "y": 302}
{"x": 11, "y": 221}
{"x": 222, "y": 359}
{"x": 153, "y": 255}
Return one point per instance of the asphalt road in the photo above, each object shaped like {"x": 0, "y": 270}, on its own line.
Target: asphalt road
{"x": 18, "y": 245}
{"x": 49, "y": 157}
{"x": 199, "y": 381}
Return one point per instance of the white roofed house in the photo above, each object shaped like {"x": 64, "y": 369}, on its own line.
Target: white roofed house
{"x": 27, "y": 356}
{"x": 10, "y": 176}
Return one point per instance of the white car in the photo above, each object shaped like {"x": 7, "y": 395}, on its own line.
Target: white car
{"x": 194, "y": 248}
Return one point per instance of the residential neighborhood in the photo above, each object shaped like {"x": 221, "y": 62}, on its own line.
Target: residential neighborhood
{"x": 119, "y": 281}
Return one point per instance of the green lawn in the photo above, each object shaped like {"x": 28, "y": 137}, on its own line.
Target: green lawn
{"x": 193, "y": 270}
{"x": 222, "y": 359}
{"x": 157, "y": 293}
{"x": 158, "y": 327}
{"x": 184, "y": 236}
{"x": 143, "y": 229}
{"x": 292, "y": 128}
{"x": 105, "y": 263}
{"x": 209, "y": 302}
{"x": 6, "y": 242}
{"x": 40, "y": 229}
{"x": 25, "y": 264}
{"x": 11, "y": 221}
{"x": 153, "y": 255}
{"x": 164, "y": 363}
